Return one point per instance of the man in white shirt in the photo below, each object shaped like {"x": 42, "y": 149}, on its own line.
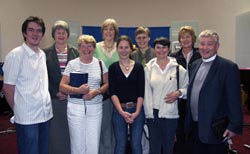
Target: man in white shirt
{"x": 26, "y": 89}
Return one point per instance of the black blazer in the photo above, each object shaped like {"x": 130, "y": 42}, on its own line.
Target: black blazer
{"x": 54, "y": 72}
{"x": 220, "y": 96}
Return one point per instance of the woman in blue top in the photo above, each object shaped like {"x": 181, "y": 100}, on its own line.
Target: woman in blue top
{"x": 126, "y": 78}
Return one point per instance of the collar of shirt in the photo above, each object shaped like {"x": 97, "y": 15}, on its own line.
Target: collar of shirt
{"x": 209, "y": 59}
{"x": 30, "y": 51}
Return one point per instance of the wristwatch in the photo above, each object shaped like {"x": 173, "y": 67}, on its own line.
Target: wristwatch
{"x": 99, "y": 91}
{"x": 179, "y": 92}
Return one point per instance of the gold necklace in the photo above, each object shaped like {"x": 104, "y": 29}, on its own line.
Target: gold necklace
{"x": 125, "y": 66}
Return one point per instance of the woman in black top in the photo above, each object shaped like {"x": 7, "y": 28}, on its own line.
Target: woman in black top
{"x": 126, "y": 87}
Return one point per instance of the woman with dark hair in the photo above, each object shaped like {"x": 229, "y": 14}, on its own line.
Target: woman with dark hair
{"x": 126, "y": 87}
{"x": 161, "y": 95}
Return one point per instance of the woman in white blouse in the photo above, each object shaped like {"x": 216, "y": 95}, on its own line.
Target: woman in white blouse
{"x": 161, "y": 97}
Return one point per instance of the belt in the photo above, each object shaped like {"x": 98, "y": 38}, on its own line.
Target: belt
{"x": 128, "y": 105}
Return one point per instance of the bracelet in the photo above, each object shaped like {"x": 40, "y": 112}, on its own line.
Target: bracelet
{"x": 99, "y": 91}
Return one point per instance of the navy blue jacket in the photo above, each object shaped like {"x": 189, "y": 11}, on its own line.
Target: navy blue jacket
{"x": 220, "y": 96}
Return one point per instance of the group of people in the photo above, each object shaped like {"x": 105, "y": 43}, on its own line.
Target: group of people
{"x": 178, "y": 95}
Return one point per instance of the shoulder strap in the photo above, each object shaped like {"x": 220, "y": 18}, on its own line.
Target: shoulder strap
{"x": 100, "y": 63}
{"x": 177, "y": 76}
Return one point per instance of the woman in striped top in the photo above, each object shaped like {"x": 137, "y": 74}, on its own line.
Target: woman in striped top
{"x": 85, "y": 114}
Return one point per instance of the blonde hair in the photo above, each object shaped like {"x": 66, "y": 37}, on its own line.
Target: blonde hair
{"x": 86, "y": 39}
{"x": 110, "y": 22}
{"x": 189, "y": 30}
{"x": 142, "y": 30}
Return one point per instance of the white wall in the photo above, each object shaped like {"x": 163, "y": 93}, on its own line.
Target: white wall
{"x": 242, "y": 43}
{"x": 219, "y": 15}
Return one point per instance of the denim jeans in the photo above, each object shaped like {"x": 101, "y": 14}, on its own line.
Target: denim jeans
{"x": 161, "y": 134}
{"x": 121, "y": 132}
{"x": 33, "y": 139}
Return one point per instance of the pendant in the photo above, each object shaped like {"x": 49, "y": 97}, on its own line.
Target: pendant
{"x": 126, "y": 68}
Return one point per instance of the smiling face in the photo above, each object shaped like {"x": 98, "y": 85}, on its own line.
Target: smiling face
{"x": 142, "y": 40}
{"x": 61, "y": 36}
{"x": 161, "y": 51}
{"x": 208, "y": 47}
{"x": 86, "y": 50}
{"x": 186, "y": 40}
{"x": 33, "y": 35}
{"x": 124, "y": 49}
{"x": 109, "y": 33}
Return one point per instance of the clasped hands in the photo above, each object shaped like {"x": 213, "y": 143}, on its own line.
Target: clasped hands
{"x": 129, "y": 117}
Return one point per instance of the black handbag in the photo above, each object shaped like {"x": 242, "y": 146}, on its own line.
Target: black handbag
{"x": 219, "y": 126}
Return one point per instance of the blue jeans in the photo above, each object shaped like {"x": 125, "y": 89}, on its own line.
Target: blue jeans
{"x": 161, "y": 134}
{"x": 121, "y": 132}
{"x": 33, "y": 139}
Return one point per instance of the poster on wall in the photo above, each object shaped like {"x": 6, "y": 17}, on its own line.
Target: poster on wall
{"x": 75, "y": 32}
{"x": 174, "y": 30}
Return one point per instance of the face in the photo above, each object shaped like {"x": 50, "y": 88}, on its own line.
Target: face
{"x": 124, "y": 49}
{"x": 161, "y": 51}
{"x": 109, "y": 33}
{"x": 87, "y": 50}
{"x": 61, "y": 36}
{"x": 207, "y": 47}
{"x": 186, "y": 40}
{"x": 142, "y": 40}
{"x": 33, "y": 34}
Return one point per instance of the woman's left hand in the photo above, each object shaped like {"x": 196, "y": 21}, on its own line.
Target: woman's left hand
{"x": 171, "y": 97}
{"x": 90, "y": 95}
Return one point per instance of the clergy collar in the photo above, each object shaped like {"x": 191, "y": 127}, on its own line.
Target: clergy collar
{"x": 209, "y": 59}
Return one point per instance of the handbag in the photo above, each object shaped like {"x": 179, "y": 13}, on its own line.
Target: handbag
{"x": 219, "y": 126}
{"x": 106, "y": 94}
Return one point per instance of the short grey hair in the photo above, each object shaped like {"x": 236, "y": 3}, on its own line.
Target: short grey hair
{"x": 209, "y": 33}
{"x": 60, "y": 24}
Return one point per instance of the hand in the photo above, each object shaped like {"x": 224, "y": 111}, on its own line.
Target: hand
{"x": 172, "y": 96}
{"x": 84, "y": 89}
{"x": 126, "y": 116}
{"x": 91, "y": 94}
{"x": 228, "y": 133}
{"x": 133, "y": 116}
{"x": 61, "y": 96}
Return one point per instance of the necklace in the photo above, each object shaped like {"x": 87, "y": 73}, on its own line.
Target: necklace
{"x": 108, "y": 48}
{"x": 125, "y": 66}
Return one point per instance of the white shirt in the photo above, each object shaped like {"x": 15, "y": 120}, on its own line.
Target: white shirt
{"x": 28, "y": 72}
{"x": 94, "y": 77}
{"x": 158, "y": 83}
